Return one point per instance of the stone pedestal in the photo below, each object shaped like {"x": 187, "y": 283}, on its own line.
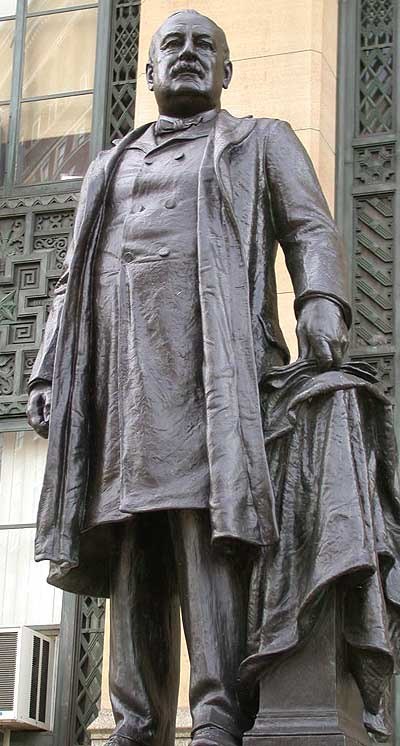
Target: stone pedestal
{"x": 310, "y": 698}
{"x": 101, "y": 728}
{"x": 183, "y": 727}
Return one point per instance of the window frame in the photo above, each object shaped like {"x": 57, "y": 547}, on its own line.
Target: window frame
{"x": 99, "y": 92}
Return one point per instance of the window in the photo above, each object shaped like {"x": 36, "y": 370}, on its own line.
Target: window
{"x": 57, "y": 99}
{"x": 47, "y": 90}
{"x": 7, "y": 34}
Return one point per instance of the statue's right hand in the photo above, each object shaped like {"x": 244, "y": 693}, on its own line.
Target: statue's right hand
{"x": 38, "y": 409}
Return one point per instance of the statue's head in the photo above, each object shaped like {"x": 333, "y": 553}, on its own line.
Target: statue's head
{"x": 188, "y": 64}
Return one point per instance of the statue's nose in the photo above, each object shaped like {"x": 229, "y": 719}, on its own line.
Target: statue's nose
{"x": 188, "y": 52}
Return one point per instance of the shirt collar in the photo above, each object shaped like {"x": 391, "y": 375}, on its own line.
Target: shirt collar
{"x": 205, "y": 116}
{"x": 149, "y": 142}
{"x": 166, "y": 127}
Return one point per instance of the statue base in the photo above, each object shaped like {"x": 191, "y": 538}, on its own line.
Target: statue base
{"x": 310, "y": 698}
{"x": 326, "y": 740}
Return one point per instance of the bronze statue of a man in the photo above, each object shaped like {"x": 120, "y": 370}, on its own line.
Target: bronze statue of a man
{"x": 163, "y": 327}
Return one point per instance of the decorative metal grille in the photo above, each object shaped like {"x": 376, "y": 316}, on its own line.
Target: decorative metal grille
{"x": 368, "y": 195}
{"x": 372, "y": 181}
{"x": 123, "y": 73}
{"x": 373, "y": 243}
{"x": 376, "y": 66}
{"x": 374, "y": 165}
{"x": 90, "y": 657}
{"x": 34, "y": 234}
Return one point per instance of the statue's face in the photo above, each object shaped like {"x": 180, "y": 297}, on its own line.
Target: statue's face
{"x": 188, "y": 69}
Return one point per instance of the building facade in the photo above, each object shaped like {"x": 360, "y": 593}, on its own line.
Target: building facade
{"x": 72, "y": 80}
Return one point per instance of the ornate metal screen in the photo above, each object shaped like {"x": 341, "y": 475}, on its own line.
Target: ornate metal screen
{"x": 89, "y": 665}
{"x": 368, "y": 190}
{"x": 79, "y": 669}
{"x": 376, "y": 55}
{"x": 34, "y": 233}
{"x": 123, "y": 69}
{"x": 35, "y": 223}
{"x": 368, "y": 185}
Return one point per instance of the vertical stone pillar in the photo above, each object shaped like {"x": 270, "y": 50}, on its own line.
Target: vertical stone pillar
{"x": 183, "y": 718}
{"x": 103, "y": 726}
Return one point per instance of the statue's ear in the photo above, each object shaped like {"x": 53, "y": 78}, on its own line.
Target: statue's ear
{"x": 228, "y": 72}
{"x": 150, "y": 76}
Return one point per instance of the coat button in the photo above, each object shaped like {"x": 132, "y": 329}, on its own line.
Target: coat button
{"x": 180, "y": 156}
{"x": 170, "y": 204}
{"x": 164, "y": 252}
{"x": 148, "y": 161}
{"x": 128, "y": 257}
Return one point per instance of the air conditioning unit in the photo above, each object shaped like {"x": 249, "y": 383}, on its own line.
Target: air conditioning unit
{"x": 27, "y": 671}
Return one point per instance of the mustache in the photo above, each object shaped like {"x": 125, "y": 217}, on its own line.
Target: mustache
{"x": 187, "y": 67}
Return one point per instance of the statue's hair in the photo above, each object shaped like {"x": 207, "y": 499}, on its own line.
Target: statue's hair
{"x": 193, "y": 12}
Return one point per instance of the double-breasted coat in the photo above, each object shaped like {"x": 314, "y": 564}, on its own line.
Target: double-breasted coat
{"x": 257, "y": 188}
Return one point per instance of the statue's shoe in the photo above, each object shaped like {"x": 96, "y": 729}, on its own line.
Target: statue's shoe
{"x": 210, "y": 736}
{"x": 121, "y": 741}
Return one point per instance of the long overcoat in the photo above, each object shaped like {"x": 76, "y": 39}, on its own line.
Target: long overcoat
{"x": 257, "y": 188}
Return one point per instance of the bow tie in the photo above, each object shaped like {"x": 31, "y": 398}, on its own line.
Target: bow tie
{"x": 175, "y": 125}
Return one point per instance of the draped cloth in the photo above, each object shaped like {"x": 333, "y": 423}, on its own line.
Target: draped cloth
{"x": 331, "y": 450}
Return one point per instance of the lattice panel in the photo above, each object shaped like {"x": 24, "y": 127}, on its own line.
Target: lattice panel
{"x": 89, "y": 666}
{"x": 124, "y": 60}
{"x": 373, "y": 270}
{"x": 376, "y": 66}
{"x": 374, "y": 236}
{"x": 33, "y": 244}
{"x": 375, "y": 165}
{"x": 376, "y": 22}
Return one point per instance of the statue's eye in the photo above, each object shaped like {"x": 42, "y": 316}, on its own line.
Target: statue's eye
{"x": 171, "y": 44}
{"x": 204, "y": 44}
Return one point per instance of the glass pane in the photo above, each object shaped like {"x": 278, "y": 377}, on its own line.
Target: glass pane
{"x": 37, "y": 5}
{"x": 4, "y": 120}
{"x": 7, "y": 29}
{"x": 54, "y": 139}
{"x": 22, "y": 462}
{"x": 8, "y": 7}
{"x": 25, "y": 597}
{"x": 60, "y": 53}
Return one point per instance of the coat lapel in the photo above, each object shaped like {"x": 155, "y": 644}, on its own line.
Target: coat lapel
{"x": 241, "y": 494}
{"x": 121, "y": 145}
{"x": 62, "y": 502}
{"x": 229, "y": 133}
{"x": 100, "y": 178}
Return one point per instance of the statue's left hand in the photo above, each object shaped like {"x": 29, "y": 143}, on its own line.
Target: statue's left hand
{"x": 322, "y": 333}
